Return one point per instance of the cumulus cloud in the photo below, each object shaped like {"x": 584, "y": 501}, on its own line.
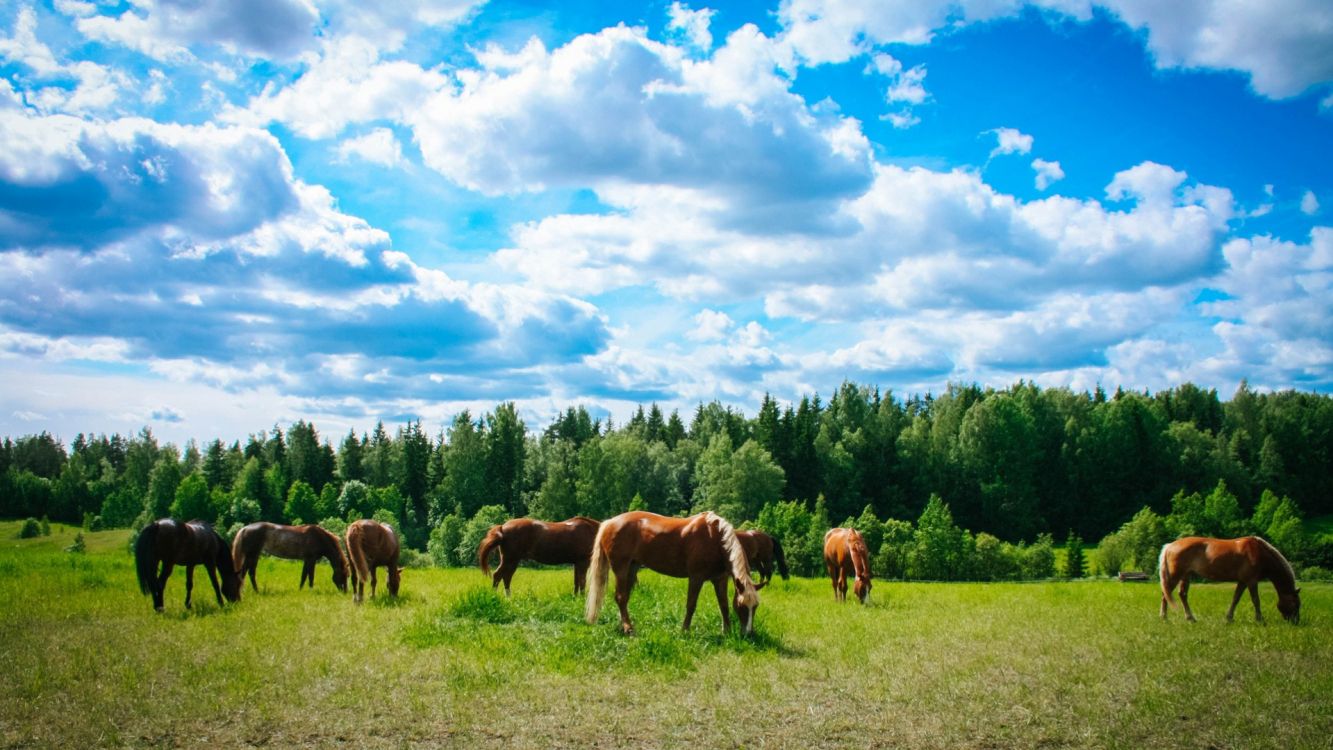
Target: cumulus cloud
{"x": 616, "y": 110}
{"x": 1048, "y": 172}
{"x": 78, "y": 87}
{"x": 166, "y": 29}
{"x": 1281, "y": 45}
{"x": 379, "y": 146}
{"x": 136, "y": 233}
{"x": 692, "y": 25}
{"x": 1010, "y": 141}
{"x": 1309, "y": 203}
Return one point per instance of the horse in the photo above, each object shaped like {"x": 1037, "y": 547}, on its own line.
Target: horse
{"x": 307, "y": 543}
{"x": 760, "y": 551}
{"x": 1247, "y": 561}
{"x": 547, "y": 543}
{"x": 372, "y": 544}
{"x": 845, "y": 552}
{"x": 170, "y": 542}
{"x": 700, "y": 548}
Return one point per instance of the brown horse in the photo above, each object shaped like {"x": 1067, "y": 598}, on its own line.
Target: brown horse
{"x": 701, "y": 548}
{"x": 1247, "y": 561}
{"x": 372, "y": 544}
{"x": 845, "y": 553}
{"x": 172, "y": 543}
{"x": 547, "y": 543}
{"x": 307, "y": 543}
{"x": 761, "y": 550}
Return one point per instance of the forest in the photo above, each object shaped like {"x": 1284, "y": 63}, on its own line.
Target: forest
{"x": 988, "y": 472}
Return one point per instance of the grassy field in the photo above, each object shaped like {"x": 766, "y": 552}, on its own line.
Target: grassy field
{"x": 1087, "y": 664}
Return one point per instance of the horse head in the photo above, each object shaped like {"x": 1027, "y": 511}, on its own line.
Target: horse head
{"x": 862, "y": 588}
{"x": 745, "y": 603}
{"x": 231, "y": 583}
{"x": 1290, "y": 606}
{"x": 395, "y": 576}
{"x": 340, "y": 577}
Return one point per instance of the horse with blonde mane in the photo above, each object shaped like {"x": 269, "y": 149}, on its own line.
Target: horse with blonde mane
{"x": 522, "y": 539}
{"x": 1247, "y": 561}
{"x": 845, "y": 553}
{"x": 372, "y": 544}
{"x": 761, "y": 551}
{"x": 700, "y": 548}
{"x": 308, "y": 543}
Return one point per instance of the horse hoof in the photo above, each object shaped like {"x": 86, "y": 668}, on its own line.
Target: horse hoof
{"x": 159, "y": 610}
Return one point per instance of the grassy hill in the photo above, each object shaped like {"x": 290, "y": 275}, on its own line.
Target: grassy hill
{"x": 1083, "y": 664}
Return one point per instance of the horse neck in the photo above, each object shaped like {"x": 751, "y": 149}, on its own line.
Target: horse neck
{"x": 329, "y": 547}
{"x": 856, "y": 551}
{"x": 731, "y": 544}
{"x": 1277, "y": 569}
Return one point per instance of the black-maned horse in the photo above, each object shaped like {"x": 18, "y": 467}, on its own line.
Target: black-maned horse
{"x": 171, "y": 543}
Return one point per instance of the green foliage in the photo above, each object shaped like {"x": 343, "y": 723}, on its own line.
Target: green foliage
{"x": 475, "y": 530}
{"x": 335, "y": 526}
{"x": 31, "y": 529}
{"x": 79, "y": 546}
{"x": 445, "y": 541}
{"x": 941, "y": 549}
{"x": 1074, "y": 566}
{"x": 301, "y": 503}
{"x": 192, "y": 499}
{"x": 354, "y": 500}
{"x": 1135, "y": 546}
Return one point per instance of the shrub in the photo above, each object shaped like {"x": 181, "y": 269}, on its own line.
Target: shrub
{"x": 475, "y": 530}
{"x": 78, "y": 547}
{"x": 410, "y": 558}
{"x": 1135, "y": 546}
{"x": 1037, "y": 560}
{"x": 444, "y": 539}
{"x": 30, "y": 529}
{"x": 335, "y": 526}
{"x": 1316, "y": 573}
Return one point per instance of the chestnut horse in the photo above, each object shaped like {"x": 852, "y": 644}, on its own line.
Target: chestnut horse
{"x": 845, "y": 553}
{"x": 372, "y": 544}
{"x": 307, "y": 543}
{"x": 547, "y": 543}
{"x": 172, "y": 543}
{"x": 1247, "y": 561}
{"x": 701, "y": 548}
{"x": 760, "y": 551}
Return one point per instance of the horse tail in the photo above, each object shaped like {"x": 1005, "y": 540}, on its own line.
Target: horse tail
{"x": 781, "y": 559}
{"x": 238, "y": 548}
{"x": 740, "y": 567}
{"x": 493, "y": 538}
{"x": 145, "y": 558}
{"x": 598, "y": 568}
{"x": 360, "y": 571}
{"x": 1165, "y": 576}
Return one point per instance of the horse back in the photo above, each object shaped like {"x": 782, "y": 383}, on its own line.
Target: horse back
{"x": 372, "y": 543}
{"x": 1214, "y": 559}
{"x": 559, "y": 543}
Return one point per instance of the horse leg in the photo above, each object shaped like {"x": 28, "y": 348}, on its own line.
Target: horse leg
{"x": 1185, "y": 597}
{"x": 580, "y": 577}
{"x": 374, "y": 581}
{"x": 691, "y": 599}
{"x": 160, "y": 588}
{"x": 251, "y": 568}
{"x": 1235, "y": 599}
{"x": 213, "y": 577}
{"x": 189, "y": 584}
{"x": 720, "y": 588}
{"x": 624, "y": 583}
{"x": 307, "y": 572}
{"x": 1168, "y": 583}
{"x": 506, "y": 572}
{"x": 1254, "y": 597}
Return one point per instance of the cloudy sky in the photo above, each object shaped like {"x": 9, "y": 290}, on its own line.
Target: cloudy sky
{"x": 218, "y": 215}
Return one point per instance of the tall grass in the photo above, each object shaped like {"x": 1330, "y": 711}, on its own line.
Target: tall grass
{"x": 1083, "y": 664}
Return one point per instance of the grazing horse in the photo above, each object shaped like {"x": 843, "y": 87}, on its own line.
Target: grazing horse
{"x": 1247, "y": 561}
{"x": 372, "y": 544}
{"x": 701, "y": 548}
{"x": 845, "y": 553}
{"x": 547, "y": 543}
{"x": 760, "y": 551}
{"x": 172, "y": 543}
{"x": 307, "y": 543}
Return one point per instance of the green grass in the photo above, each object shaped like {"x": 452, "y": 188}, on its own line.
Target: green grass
{"x": 1084, "y": 664}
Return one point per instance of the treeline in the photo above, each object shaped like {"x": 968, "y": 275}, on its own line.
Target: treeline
{"x": 1013, "y": 464}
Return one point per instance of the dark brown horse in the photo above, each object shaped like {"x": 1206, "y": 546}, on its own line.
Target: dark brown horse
{"x": 547, "y": 543}
{"x": 308, "y": 543}
{"x": 1247, "y": 561}
{"x": 700, "y": 548}
{"x": 845, "y": 554}
{"x": 761, "y": 550}
{"x": 172, "y": 543}
{"x": 372, "y": 544}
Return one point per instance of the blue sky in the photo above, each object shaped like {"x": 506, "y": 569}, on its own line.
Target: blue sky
{"x": 219, "y": 215}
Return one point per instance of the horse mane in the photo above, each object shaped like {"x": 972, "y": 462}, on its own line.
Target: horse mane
{"x": 860, "y": 554}
{"x": 740, "y": 567}
{"x": 1284, "y": 569}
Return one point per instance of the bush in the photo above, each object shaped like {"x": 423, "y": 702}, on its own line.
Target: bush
{"x": 475, "y": 530}
{"x": 410, "y": 558}
{"x": 78, "y": 547}
{"x": 335, "y": 526}
{"x": 444, "y": 539}
{"x": 1037, "y": 560}
{"x": 1135, "y": 546}
{"x": 1316, "y": 573}
{"x": 31, "y": 528}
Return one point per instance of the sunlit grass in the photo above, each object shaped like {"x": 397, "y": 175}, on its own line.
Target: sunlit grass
{"x": 1085, "y": 664}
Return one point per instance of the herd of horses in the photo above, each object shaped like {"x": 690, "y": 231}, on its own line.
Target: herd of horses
{"x": 703, "y": 548}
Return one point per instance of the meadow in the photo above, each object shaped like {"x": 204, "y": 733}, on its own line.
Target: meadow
{"x": 86, "y": 662}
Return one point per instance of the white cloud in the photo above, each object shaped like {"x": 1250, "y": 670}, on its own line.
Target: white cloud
{"x": 166, "y": 29}
{"x": 1309, "y": 203}
{"x": 907, "y": 87}
{"x": 692, "y": 24}
{"x": 1048, "y": 172}
{"x": 1010, "y": 141}
{"x": 379, "y": 146}
{"x": 346, "y": 85}
{"x": 711, "y": 325}
{"x": 95, "y": 87}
